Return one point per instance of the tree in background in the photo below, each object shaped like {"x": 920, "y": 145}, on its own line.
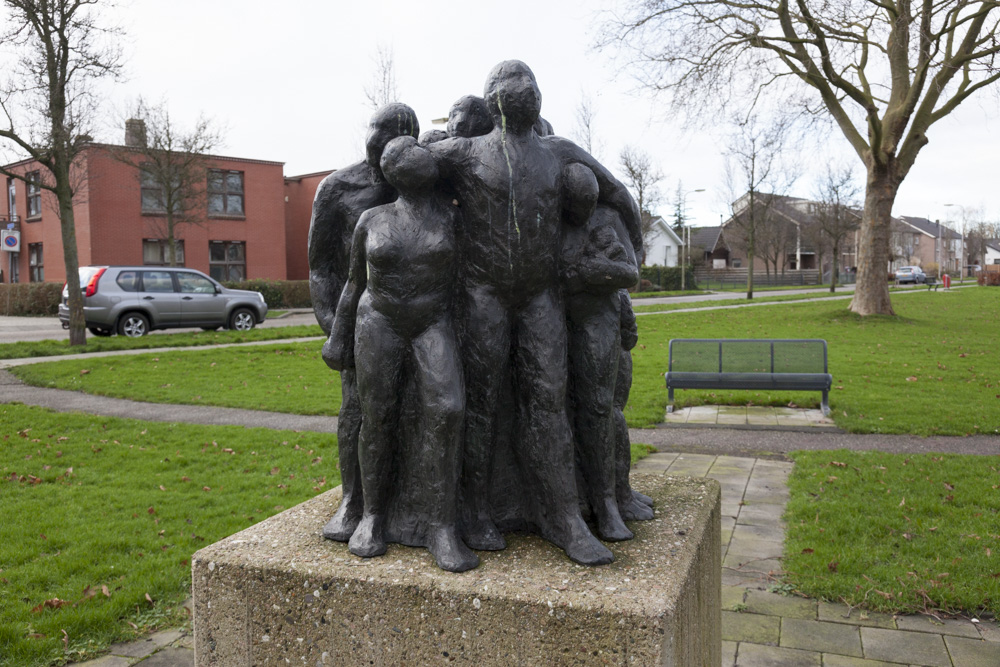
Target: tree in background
{"x": 584, "y": 131}
{"x": 642, "y": 177}
{"x": 381, "y": 90}
{"x": 883, "y": 72}
{"x": 172, "y": 168}
{"x": 49, "y": 105}
{"x": 837, "y": 217}
{"x": 754, "y": 174}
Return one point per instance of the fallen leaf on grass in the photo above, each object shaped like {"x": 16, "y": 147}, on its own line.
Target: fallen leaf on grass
{"x": 832, "y": 566}
{"x": 54, "y": 603}
{"x": 149, "y": 599}
{"x": 911, "y": 379}
{"x": 84, "y": 371}
{"x": 104, "y": 589}
{"x": 807, "y": 551}
{"x": 151, "y": 510}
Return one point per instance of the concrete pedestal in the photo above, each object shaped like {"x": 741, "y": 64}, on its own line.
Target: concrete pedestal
{"x": 278, "y": 593}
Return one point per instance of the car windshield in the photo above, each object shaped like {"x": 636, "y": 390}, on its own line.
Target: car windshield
{"x": 906, "y": 270}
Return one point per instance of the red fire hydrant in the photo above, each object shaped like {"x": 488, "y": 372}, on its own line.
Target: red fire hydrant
{"x": 947, "y": 281}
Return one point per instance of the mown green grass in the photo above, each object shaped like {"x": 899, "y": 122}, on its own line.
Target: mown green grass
{"x": 288, "y": 378}
{"x": 896, "y": 533}
{"x": 49, "y": 348}
{"x": 88, "y": 503}
{"x": 666, "y": 307}
{"x": 639, "y": 296}
{"x": 932, "y": 370}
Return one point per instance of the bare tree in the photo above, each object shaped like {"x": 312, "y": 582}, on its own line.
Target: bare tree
{"x": 977, "y": 234}
{"x": 837, "y": 217}
{"x": 584, "y": 131}
{"x": 884, "y": 72}
{"x": 754, "y": 175}
{"x": 642, "y": 177}
{"x": 171, "y": 166}
{"x": 381, "y": 90}
{"x": 48, "y": 104}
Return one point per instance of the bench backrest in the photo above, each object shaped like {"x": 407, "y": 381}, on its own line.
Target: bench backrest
{"x": 737, "y": 355}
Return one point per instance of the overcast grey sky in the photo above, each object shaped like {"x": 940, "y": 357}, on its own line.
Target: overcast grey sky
{"x": 287, "y": 78}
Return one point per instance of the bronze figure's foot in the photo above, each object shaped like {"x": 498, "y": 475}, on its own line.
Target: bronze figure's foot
{"x": 635, "y": 510}
{"x": 584, "y": 548}
{"x": 484, "y": 536}
{"x": 642, "y": 498}
{"x": 450, "y": 551}
{"x": 610, "y": 526}
{"x": 343, "y": 523}
{"x": 367, "y": 540}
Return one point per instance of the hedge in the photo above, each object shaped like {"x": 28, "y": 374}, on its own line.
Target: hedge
{"x": 278, "y": 293}
{"x": 30, "y": 298}
{"x": 664, "y": 278}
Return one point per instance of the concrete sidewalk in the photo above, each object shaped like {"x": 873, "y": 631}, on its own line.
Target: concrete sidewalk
{"x": 763, "y": 628}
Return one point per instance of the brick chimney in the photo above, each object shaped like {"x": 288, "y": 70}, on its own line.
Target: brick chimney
{"x": 135, "y": 133}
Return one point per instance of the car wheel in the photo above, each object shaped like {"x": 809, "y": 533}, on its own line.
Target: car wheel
{"x": 242, "y": 320}
{"x": 98, "y": 331}
{"x": 133, "y": 325}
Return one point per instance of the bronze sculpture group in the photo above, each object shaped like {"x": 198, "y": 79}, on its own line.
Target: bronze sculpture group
{"x": 472, "y": 285}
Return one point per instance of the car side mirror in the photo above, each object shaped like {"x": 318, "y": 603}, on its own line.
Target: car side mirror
{"x": 218, "y": 290}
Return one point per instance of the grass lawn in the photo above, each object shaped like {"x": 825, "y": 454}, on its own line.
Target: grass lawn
{"x": 896, "y": 533}
{"x": 639, "y": 296}
{"x": 281, "y": 378}
{"x": 96, "y": 514}
{"x": 664, "y": 307}
{"x": 49, "y": 348}
{"x": 934, "y": 369}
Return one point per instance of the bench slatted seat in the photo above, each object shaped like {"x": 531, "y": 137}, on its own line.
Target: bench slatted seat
{"x": 748, "y": 363}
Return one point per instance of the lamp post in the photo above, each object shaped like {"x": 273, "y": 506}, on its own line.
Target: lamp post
{"x": 961, "y": 266}
{"x": 685, "y": 237}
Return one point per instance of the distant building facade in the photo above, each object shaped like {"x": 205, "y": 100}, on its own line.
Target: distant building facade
{"x": 255, "y": 224}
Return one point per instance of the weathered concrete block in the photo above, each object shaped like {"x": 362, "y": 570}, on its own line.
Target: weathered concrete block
{"x": 278, "y": 591}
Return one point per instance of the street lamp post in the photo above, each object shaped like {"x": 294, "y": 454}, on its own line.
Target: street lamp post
{"x": 685, "y": 239}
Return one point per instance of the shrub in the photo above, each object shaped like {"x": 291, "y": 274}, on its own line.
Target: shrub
{"x": 30, "y": 298}
{"x": 666, "y": 278}
{"x": 278, "y": 293}
{"x": 991, "y": 278}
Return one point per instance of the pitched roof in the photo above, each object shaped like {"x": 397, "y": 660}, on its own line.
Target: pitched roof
{"x": 929, "y": 228}
{"x": 706, "y": 237}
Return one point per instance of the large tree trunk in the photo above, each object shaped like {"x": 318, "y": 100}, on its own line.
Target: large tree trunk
{"x": 71, "y": 258}
{"x": 871, "y": 294}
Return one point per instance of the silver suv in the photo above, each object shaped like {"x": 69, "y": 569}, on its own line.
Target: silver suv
{"x": 134, "y": 300}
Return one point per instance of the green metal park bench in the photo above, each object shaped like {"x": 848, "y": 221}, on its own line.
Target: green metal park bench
{"x": 748, "y": 363}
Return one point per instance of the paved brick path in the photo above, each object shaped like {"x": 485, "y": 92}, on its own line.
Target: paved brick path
{"x": 761, "y": 628}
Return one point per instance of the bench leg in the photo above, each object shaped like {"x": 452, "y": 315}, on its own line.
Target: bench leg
{"x": 670, "y": 400}
{"x": 825, "y": 404}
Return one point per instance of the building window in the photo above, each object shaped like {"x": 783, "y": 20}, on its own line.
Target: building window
{"x": 34, "y": 194}
{"x": 155, "y": 252}
{"x": 11, "y": 200}
{"x": 153, "y": 199}
{"x": 737, "y": 262}
{"x": 225, "y": 192}
{"x": 36, "y": 263}
{"x": 227, "y": 260}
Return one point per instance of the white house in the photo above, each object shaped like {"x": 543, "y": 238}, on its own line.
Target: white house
{"x": 662, "y": 244}
{"x": 992, "y": 252}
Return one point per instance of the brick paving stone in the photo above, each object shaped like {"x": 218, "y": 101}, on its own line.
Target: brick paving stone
{"x": 758, "y": 414}
{"x": 973, "y": 652}
{"x": 756, "y": 514}
{"x": 732, "y": 577}
{"x": 833, "y": 660}
{"x": 728, "y": 522}
{"x": 136, "y": 649}
{"x": 735, "y": 462}
{"x": 703, "y": 414}
{"x": 947, "y": 626}
{"x": 838, "y": 613}
{"x": 786, "y": 606}
{"x": 676, "y": 417}
{"x": 106, "y": 661}
{"x": 818, "y": 636}
{"x": 989, "y": 631}
{"x": 169, "y": 657}
{"x": 732, "y": 597}
{"x": 772, "y": 493}
{"x": 766, "y": 533}
{"x": 186, "y": 641}
{"x": 753, "y": 655}
{"x": 728, "y": 654}
{"x": 165, "y": 637}
{"x": 754, "y": 628}
{"x": 762, "y": 567}
{"x": 916, "y": 647}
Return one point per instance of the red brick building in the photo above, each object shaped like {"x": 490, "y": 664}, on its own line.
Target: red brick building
{"x": 255, "y": 225}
